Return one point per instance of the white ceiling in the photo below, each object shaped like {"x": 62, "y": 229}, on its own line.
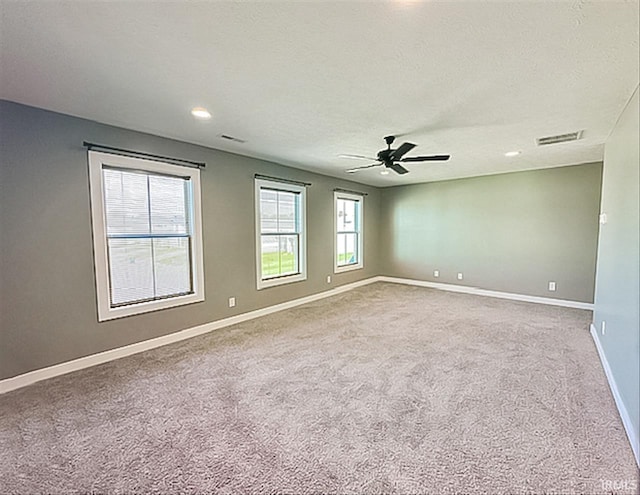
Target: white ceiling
{"x": 305, "y": 82}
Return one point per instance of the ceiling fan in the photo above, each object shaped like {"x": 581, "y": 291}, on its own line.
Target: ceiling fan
{"x": 392, "y": 158}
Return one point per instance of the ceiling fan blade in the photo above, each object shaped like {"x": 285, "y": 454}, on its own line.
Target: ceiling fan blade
{"x": 354, "y": 170}
{"x": 396, "y": 167}
{"x": 358, "y": 157}
{"x": 432, "y": 158}
{"x": 404, "y": 148}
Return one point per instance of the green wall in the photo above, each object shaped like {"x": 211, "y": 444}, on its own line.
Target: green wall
{"x": 47, "y": 296}
{"x": 618, "y": 270}
{"x": 510, "y": 232}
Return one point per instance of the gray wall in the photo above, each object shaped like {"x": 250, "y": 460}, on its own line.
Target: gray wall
{"x": 47, "y": 294}
{"x": 618, "y": 270}
{"x": 510, "y": 232}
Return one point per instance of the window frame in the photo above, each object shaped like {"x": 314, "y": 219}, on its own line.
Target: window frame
{"x": 337, "y": 195}
{"x": 97, "y": 162}
{"x": 302, "y": 247}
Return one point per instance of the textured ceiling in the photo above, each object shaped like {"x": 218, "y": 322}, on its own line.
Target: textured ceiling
{"x": 305, "y": 82}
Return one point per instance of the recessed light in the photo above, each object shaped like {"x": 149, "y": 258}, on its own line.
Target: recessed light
{"x": 384, "y": 172}
{"x": 201, "y": 113}
{"x": 512, "y": 153}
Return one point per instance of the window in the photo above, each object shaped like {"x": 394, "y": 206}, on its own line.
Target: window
{"x": 280, "y": 233}
{"x": 146, "y": 235}
{"x": 348, "y": 228}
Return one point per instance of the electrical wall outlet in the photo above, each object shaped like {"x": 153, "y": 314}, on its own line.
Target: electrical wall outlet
{"x": 328, "y": 279}
{"x": 552, "y": 286}
{"x": 436, "y": 273}
{"x": 603, "y": 327}
{"x": 232, "y": 302}
{"x": 460, "y": 276}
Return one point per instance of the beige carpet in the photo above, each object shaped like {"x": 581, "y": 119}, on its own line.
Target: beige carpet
{"x": 387, "y": 388}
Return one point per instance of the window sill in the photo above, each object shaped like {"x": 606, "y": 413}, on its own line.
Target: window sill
{"x": 348, "y": 268}
{"x": 107, "y": 313}
{"x": 274, "y": 282}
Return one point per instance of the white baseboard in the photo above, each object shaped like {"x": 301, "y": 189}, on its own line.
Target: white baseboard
{"x": 25, "y": 379}
{"x": 489, "y": 293}
{"x": 632, "y": 434}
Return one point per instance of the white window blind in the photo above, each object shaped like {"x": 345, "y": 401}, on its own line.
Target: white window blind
{"x": 148, "y": 236}
{"x": 279, "y": 233}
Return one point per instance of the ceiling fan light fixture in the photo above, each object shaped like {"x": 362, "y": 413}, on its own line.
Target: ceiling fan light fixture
{"x": 384, "y": 172}
{"x": 512, "y": 153}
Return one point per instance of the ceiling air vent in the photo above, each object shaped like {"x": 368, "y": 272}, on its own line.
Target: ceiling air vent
{"x": 231, "y": 138}
{"x": 560, "y": 138}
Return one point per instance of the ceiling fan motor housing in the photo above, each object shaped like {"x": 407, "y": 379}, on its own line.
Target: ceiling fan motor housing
{"x": 383, "y": 155}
